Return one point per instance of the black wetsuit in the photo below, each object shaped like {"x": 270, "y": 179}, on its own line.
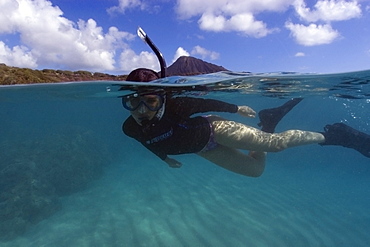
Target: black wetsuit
{"x": 177, "y": 132}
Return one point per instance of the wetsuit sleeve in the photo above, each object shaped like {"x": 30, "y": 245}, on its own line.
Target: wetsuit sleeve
{"x": 188, "y": 106}
{"x": 131, "y": 129}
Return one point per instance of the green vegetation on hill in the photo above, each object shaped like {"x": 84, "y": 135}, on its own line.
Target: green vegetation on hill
{"x": 13, "y": 75}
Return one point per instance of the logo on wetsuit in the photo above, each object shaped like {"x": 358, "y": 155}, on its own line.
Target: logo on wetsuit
{"x": 161, "y": 137}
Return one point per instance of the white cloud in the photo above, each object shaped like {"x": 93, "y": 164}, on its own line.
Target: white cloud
{"x": 204, "y": 53}
{"x": 231, "y": 15}
{"x": 312, "y": 34}
{"x": 17, "y": 56}
{"x": 49, "y": 39}
{"x": 241, "y": 16}
{"x": 190, "y": 8}
{"x": 125, "y": 5}
{"x": 243, "y": 23}
{"x": 129, "y": 60}
{"x": 6, "y": 18}
{"x": 325, "y": 11}
{"x": 179, "y": 53}
{"x": 300, "y": 54}
{"x": 328, "y": 10}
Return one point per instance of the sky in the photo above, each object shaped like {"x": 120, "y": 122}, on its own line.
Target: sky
{"x": 308, "y": 36}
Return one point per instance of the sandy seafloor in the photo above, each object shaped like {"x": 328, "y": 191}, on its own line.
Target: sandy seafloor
{"x": 308, "y": 196}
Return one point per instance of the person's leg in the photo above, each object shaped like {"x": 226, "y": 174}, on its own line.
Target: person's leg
{"x": 338, "y": 134}
{"x": 252, "y": 164}
{"x": 240, "y": 136}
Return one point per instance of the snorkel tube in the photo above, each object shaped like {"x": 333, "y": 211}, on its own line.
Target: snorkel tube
{"x": 146, "y": 39}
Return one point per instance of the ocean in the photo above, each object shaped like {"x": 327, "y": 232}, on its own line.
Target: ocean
{"x": 70, "y": 177}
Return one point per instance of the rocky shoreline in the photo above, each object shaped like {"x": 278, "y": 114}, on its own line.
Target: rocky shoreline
{"x": 14, "y": 75}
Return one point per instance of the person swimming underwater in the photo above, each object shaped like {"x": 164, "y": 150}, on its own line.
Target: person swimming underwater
{"x": 165, "y": 125}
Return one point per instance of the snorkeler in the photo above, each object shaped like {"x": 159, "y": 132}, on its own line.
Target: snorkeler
{"x": 165, "y": 125}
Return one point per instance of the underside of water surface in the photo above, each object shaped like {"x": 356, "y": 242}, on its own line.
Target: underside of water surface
{"x": 70, "y": 177}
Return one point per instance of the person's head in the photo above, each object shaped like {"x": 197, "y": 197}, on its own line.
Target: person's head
{"x": 142, "y": 75}
{"x": 144, "y": 105}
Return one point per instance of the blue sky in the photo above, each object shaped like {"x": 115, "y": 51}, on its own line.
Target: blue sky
{"x": 325, "y": 36}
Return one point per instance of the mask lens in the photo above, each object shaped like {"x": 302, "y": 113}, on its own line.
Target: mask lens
{"x": 152, "y": 101}
{"x": 131, "y": 102}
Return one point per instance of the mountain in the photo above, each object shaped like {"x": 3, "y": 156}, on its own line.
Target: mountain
{"x": 192, "y": 66}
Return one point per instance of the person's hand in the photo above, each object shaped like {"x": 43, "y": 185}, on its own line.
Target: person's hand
{"x": 246, "y": 111}
{"x": 173, "y": 163}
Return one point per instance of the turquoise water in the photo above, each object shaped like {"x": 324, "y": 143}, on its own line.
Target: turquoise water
{"x": 70, "y": 177}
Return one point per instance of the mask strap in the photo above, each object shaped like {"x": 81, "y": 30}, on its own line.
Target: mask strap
{"x": 160, "y": 112}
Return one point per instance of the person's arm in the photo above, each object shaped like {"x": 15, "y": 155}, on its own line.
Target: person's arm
{"x": 170, "y": 162}
{"x": 131, "y": 131}
{"x": 188, "y": 106}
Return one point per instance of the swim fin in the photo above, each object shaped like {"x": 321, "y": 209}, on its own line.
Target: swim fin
{"x": 341, "y": 134}
{"x": 271, "y": 117}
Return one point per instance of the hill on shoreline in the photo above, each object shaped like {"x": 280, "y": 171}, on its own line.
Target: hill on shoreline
{"x": 14, "y": 75}
{"x": 186, "y": 66}
{"x": 183, "y": 66}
